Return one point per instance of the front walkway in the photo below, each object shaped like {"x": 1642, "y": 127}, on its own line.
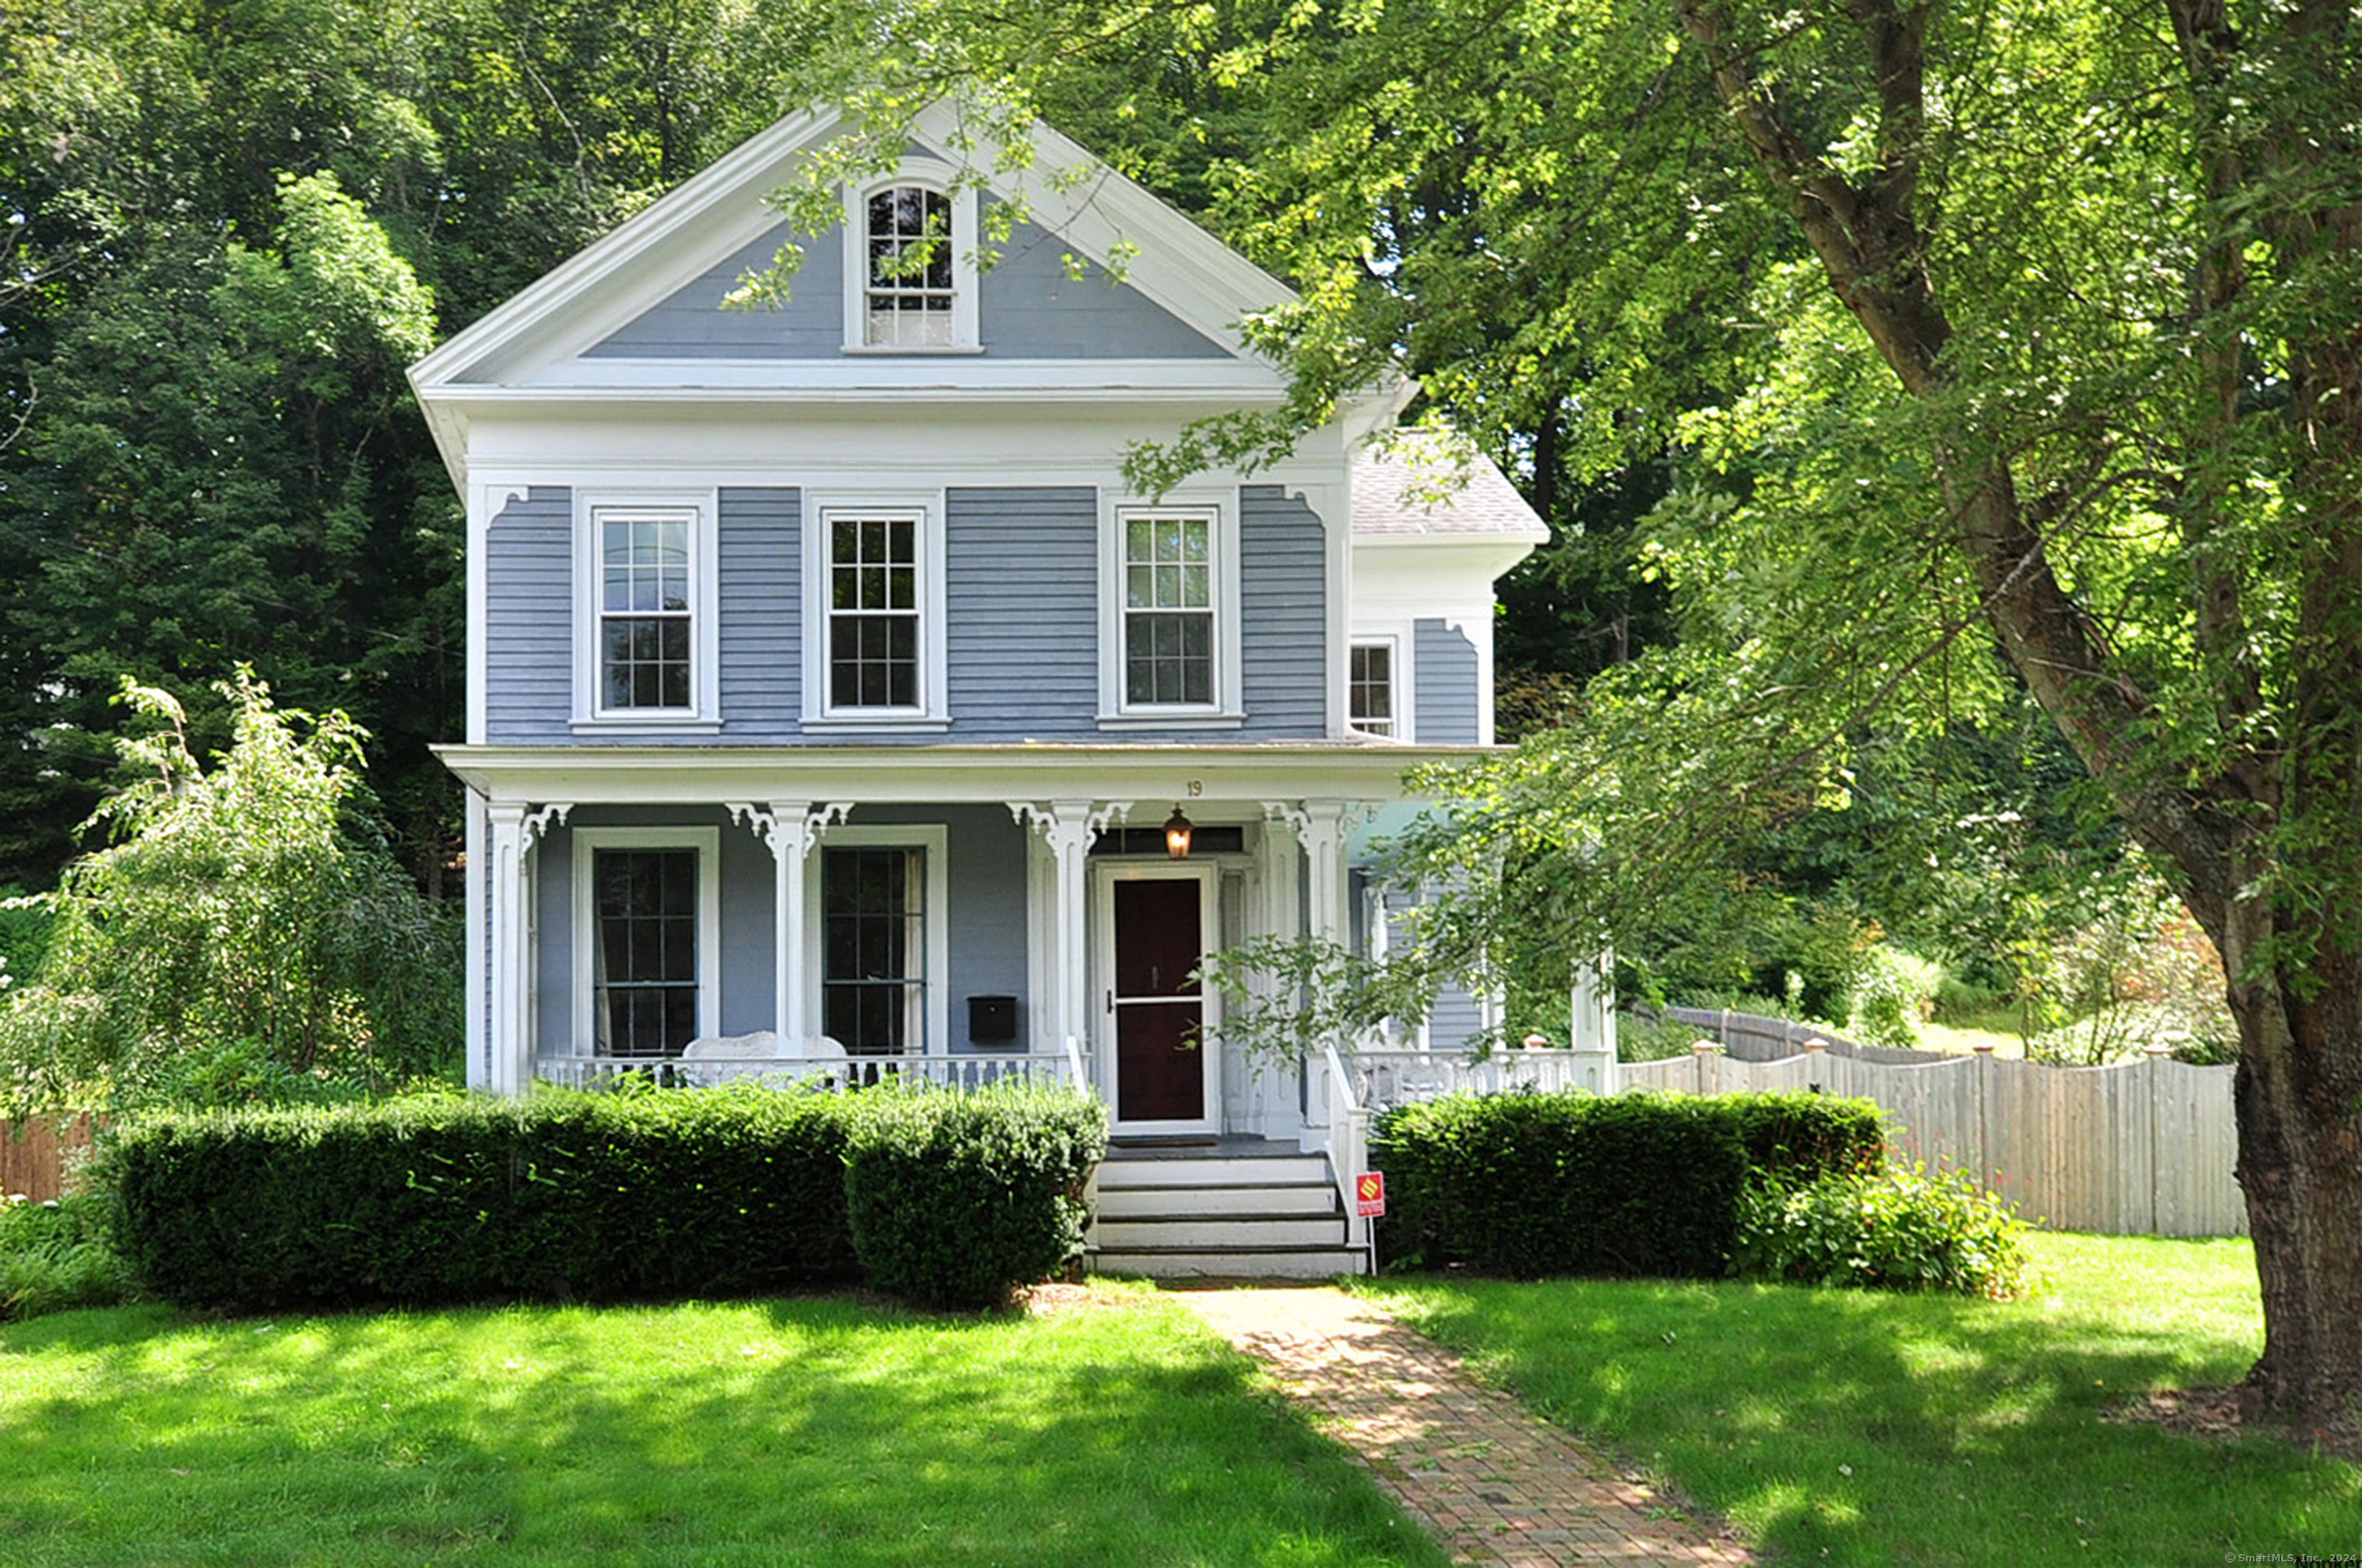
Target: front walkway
{"x": 1491, "y": 1482}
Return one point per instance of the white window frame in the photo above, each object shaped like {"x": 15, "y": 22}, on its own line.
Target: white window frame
{"x": 1402, "y": 635}
{"x": 934, "y": 839}
{"x": 1397, "y": 728}
{"x": 821, "y": 507}
{"x": 707, "y": 843}
{"x": 696, "y": 508}
{"x": 928, "y": 175}
{"x": 1227, "y": 710}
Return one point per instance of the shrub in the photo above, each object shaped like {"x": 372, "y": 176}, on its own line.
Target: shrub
{"x": 443, "y": 1198}
{"x": 1533, "y": 1185}
{"x": 1893, "y": 995}
{"x": 56, "y": 1255}
{"x": 1893, "y": 1230}
{"x": 955, "y": 1199}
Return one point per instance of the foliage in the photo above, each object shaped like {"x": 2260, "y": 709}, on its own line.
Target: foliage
{"x": 2140, "y": 974}
{"x": 1533, "y": 1185}
{"x": 955, "y": 1199}
{"x": 248, "y": 932}
{"x": 444, "y": 1198}
{"x": 1886, "y": 1229}
{"x": 1895, "y": 994}
{"x": 57, "y": 1257}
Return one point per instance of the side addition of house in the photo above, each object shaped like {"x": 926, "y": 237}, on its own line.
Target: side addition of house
{"x": 830, "y": 695}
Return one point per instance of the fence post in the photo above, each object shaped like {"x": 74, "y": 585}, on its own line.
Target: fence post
{"x": 1701, "y": 1055}
{"x": 2155, "y": 1057}
{"x": 1983, "y": 1052}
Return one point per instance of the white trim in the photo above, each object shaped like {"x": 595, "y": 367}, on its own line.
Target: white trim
{"x": 707, "y": 843}
{"x": 931, "y": 839}
{"x": 1219, "y": 510}
{"x": 700, "y": 508}
{"x": 928, "y": 175}
{"x": 1206, "y": 873}
{"x": 925, "y": 506}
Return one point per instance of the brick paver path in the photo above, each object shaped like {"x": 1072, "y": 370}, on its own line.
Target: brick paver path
{"x": 1491, "y": 1482}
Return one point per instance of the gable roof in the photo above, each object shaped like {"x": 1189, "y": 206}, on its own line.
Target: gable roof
{"x": 541, "y": 345}
{"x": 1406, "y": 495}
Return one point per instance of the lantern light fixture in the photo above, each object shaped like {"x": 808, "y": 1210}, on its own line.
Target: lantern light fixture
{"x": 1177, "y": 829}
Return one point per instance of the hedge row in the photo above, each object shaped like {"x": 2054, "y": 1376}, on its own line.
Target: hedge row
{"x": 718, "y": 1192}
{"x": 1536, "y": 1184}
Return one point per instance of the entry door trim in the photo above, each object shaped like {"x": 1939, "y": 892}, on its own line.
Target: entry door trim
{"x": 1210, "y": 887}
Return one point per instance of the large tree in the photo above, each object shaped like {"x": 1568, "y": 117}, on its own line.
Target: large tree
{"x": 2044, "y": 324}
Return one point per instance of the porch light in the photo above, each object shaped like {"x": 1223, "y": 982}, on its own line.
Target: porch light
{"x": 1177, "y": 829}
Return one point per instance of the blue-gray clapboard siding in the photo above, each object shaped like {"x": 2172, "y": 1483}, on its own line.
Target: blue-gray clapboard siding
{"x": 760, "y": 596}
{"x": 1021, "y": 573}
{"x": 1027, "y": 308}
{"x": 1283, "y": 614}
{"x": 985, "y": 885}
{"x": 1455, "y": 1019}
{"x": 529, "y": 619}
{"x": 1021, "y": 622}
{"x": 1444, "y": 664}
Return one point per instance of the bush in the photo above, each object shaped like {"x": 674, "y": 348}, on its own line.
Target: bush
{"x": 1893, "y": 996}
{"x": 444, "y": 1198}
{"x": 1534, "y": 1185}
{"x": 955, "y": 1199}
{"x": 1890, "y": 1230}
{"x": 56, "y": 1256}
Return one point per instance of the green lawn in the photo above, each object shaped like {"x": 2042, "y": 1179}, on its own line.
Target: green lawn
{"x": 1856, "y": 1428}
{"x": 772, "y": 1433}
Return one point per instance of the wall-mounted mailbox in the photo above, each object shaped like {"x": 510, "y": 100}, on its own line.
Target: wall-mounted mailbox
{"x": 991, "y": 1021}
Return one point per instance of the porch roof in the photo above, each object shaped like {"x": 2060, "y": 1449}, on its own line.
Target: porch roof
{"x": 621, "y": 775}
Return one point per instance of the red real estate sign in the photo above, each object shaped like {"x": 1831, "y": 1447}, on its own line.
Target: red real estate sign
{"x": 1370, "y": 1195}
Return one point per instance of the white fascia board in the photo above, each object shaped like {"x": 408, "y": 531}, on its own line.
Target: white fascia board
{"x": 827, "y": 378}
{"x": 1483, "y": 557}
{"x": 620, "y": 775}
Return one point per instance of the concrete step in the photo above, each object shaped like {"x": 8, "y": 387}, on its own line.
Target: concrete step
{"x": 1220, "y": 1232}
{"x": 1249, "y": 1171}
{"x": 1314, "y": 1197}
{"x": 1231, "y": 1263}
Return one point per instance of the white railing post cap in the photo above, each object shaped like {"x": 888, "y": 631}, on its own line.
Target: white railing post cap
{"x": 1704, "y": 1047}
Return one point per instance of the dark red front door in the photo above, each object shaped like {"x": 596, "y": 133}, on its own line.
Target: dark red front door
{"x": 1160, "y": 1064}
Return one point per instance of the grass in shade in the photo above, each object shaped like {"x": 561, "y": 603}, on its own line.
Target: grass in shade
{"x": 772, "y": 1433}
{"x": 1848, "y": 1427}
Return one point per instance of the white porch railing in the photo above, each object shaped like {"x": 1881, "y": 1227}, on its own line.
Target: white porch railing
{"x": 967, "y": 1071}
{"x": 1383, "y": 1078}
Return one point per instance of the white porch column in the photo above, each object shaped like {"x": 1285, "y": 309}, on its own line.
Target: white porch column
{"x": 512, "y": 828}
{"x": 1327, "y": 824}
{"x": 1590, "y": 1023}
{"x": 1066, "y": 827}
{"x": 790, "y": 829}
{"x": 477, "y": 936}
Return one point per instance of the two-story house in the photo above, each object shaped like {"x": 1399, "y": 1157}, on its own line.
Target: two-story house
{"x": 830, "y": 692}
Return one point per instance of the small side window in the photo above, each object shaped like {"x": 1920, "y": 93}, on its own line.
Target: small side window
{"x": 1371, "y": 689}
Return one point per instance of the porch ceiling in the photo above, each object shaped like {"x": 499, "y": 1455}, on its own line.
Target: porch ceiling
{"x": 629, "y": 774}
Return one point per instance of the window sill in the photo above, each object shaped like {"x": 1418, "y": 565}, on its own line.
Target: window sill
{"x": 855, "y": 723}
{"x": 1193, "y": 720}
{"x": 648, "y": 724}
{"x": 897, "y": 350}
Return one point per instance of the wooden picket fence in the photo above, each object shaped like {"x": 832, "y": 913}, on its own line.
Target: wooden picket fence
{"x": 2136, "y": 1148}
{"x": 37, "y": 1156}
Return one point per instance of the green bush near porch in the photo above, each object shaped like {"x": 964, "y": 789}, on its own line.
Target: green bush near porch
{"x": 1532, "y": 1186}
{"x": 448, "y": 1199}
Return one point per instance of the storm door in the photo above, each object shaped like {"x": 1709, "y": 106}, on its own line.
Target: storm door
{"x": 1158, "y": 923}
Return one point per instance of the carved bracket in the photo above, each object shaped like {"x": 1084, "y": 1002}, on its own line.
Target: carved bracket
{"x": 538, "y": 823}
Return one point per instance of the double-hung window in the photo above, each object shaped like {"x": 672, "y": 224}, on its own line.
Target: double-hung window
{"x": 1168, "y": 611}
{"x": 1370, "y": 689}
{"x": 647, "y": 917}
{"x": 646, "y": 636}
{"x": 880, "y": 946}
{"x": 875, "y": 653}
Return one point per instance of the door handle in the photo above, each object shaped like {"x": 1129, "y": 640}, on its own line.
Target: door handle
{"x": 1110, "y": 1005}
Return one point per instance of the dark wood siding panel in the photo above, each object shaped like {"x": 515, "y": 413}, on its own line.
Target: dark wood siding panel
{"x": 761, "y": 605}
{"x": 529, "y": 619}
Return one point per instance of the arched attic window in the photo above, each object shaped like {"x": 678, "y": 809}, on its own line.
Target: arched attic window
{"x": 910, "y": 244}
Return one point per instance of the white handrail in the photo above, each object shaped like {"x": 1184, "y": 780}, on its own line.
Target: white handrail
{"x": 1075, "y": 1064}
{"x": 1349, "y": 1151}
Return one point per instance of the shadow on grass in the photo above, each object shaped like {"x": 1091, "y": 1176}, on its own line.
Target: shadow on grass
{"x": 1878, "y": 1428}
{"x": 804, "y": 1432}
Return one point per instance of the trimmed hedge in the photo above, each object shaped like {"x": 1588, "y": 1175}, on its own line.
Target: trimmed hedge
{"x": 449, "y": 1198}
{"x": 956, "y": 1199}
{"x": 1644, "y": 1184}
